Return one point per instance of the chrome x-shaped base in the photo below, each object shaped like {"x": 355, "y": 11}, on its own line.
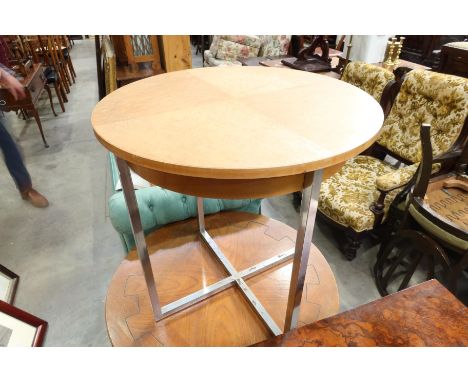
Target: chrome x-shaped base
{"x": 300, "y": 253}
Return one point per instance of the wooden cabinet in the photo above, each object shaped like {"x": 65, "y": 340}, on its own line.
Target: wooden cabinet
{"x": 176, "y": 53}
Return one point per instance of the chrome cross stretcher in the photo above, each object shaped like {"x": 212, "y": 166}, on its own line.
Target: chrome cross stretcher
{"x": 300, "y": 255}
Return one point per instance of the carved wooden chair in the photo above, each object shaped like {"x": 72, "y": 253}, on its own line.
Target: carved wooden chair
{"x": 435, "y": 225}
{"x": 356, "y": 199}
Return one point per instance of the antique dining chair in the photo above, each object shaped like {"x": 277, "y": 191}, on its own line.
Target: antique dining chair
{"x": 50, "y": 70}
{"x": 55, "y": 51}
{"x": 434, "y": 227}
{"x": 356, "y": 199}
{"x": 64, "y": 55}
{"x": 48, "y": 52}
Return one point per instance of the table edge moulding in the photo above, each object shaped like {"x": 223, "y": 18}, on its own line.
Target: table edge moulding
{"x": 235, "y": 132}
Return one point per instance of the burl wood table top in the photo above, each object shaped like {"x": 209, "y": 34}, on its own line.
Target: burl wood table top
{"x": 424, "y": 315}
{"x": 237, "y": 122}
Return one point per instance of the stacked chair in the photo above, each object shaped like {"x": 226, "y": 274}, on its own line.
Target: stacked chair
{"x": 53, "y": 52}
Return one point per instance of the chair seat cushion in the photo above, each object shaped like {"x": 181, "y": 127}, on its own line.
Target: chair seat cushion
{"x": 276, "y": 45}
{"x": 210, "y": 60}
{"x": 437, "y": 231}
{"x": 346, "y": 196}
{"x": 50, "y": 75}
{"x": 229, "y": 50}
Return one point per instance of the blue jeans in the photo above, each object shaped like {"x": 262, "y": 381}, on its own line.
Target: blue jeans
{"x": 14, "y": 161}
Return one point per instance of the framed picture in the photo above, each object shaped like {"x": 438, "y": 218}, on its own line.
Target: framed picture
{"x": 19, "y": 328}
{"x": 8, "y": 284}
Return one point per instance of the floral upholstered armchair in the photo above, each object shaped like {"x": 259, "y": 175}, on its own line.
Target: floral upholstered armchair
{"x": 374, "y": 80}
{"x": 357, "y": 197}
{"x": 225, "y": 50}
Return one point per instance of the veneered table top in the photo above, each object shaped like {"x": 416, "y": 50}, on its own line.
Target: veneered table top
{"x": 237, "y": 122}
{"x": 423, "y": 315}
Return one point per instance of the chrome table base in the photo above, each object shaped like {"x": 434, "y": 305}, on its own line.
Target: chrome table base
{"x": 300, "y": 255}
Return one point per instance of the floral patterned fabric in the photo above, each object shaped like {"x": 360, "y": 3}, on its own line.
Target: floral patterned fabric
{"x": 370, "y": 78}
{"x": 347, "y": 195}
{"x": 249, "y": 40}
{"x": 426, "y": 97}
{"x": 400, "y": 177}
{"x": 258, "y": 46}
{"x": 276, "y": 45}
{"x": 228, "y": 50}
{"x": 210, "y": 60}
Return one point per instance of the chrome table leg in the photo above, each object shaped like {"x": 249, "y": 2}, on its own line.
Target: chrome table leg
{"x": 140, "y": 241}
{"x": 309, "y": 205}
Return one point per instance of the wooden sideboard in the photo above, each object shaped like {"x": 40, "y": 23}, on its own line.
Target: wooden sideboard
{"x": 34, "y": 83}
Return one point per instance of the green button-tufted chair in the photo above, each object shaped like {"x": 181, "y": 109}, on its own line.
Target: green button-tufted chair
{"x": 159, "y": 207}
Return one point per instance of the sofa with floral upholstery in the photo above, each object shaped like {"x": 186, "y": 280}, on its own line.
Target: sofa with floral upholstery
{"x": 226, "y": 49}
{"x": 357, "y": 198}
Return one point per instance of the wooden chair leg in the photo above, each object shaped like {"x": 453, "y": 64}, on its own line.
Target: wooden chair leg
{"x": 47, "y": 88}
{"x": 418, "y": 245}
{"x": 63, "y": 79}
{"x": 65, "y": 72}
{"x": 39, "y": 125}
{"x": 351, "y": 245}
{"x": 59, "y": 96}
{"x": 69, "y": 70}
{"x": 62, "y": 91}
{"x": 72, "y": 69}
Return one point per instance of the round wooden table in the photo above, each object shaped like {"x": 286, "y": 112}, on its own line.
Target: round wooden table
{"x": 228, "y": 132}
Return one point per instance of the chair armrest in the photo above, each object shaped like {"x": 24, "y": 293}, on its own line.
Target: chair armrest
{"x": 397, "y": 178}
{"x": 400, "y": 177}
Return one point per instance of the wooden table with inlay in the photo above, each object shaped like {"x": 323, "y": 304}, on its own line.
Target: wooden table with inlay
{"x": 233, "y": 133}
{"x": 423, "y": 315}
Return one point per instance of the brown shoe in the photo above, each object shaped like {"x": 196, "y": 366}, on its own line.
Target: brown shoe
{"x": 35, "y": 198}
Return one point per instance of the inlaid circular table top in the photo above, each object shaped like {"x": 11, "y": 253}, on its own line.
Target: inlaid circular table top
{"x": 237, "y": 122}
{"x": 182, "y": 265}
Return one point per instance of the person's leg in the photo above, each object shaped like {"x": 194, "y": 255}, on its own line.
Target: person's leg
{"x": 17, "y": 169}
{"x": 14, "y": 161}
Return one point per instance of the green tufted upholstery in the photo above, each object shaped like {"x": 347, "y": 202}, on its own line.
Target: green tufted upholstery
{"x": 159, "y": 206}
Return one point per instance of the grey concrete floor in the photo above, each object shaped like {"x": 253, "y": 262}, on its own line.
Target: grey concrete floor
{"x": 66, "y": 254}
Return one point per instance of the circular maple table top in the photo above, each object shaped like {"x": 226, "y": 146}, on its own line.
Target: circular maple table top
{"x": 237, "y": 122}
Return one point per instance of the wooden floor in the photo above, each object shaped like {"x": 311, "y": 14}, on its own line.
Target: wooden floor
{"x": 182, "y": 265}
